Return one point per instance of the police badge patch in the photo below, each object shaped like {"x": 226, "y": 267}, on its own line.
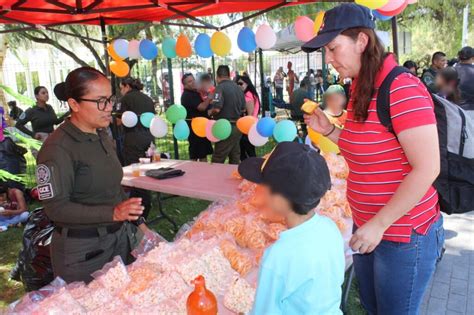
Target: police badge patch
{"x": 43, "y": 174}
{"x": 45, "y": 191}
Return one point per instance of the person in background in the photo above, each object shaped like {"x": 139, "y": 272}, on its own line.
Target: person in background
{"x": 465, "y": 69}
{"x": 42, "y": 116}
{"x": 165, "y": 88}
{"x": 447, "y": 83}
{"x": 252, "y": 105}
{"x": 137, "y": 139}
{"x": 279, "y": 83}
{"x": 303, "y": 271}
{"x": 312, "y": 84}
{"x": 210, "y": 73}
{"x": 206, "y": 87}
{"x": 411, "y": 65}
{"x": 228, "y": 103}
{"x": 438, "y": 62}
{"x": 15, "y": 111}
{"x": 299, "y": 97}
{"x": 292, "y": 80}
{"x": 398, "y": 233}
{"x": 319, "y": 84}
{"x": 199, "y": 148}
{"x": 13, "y": 207}
{"x": 79, "y": 184}
{"x": 334, "y": 103}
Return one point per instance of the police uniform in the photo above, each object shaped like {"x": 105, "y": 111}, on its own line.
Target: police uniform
{"x": 137, "y": 139}
{"x": 79, "y": 182}
{"x": 42, "y": 120}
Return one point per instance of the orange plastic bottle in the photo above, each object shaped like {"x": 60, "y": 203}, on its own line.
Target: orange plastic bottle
{"x": 201, "y": 301}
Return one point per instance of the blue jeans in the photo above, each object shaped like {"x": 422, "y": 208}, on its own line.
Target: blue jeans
{"x": 393, "y": 278}
{"x": 20, "y": 218}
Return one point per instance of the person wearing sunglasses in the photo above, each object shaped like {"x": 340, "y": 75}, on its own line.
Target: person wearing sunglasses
{"x": 79, "y": 183}
{"x": 252, "y": 105}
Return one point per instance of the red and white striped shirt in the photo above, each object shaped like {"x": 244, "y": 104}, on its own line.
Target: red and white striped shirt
{"x": 376, "y": 160}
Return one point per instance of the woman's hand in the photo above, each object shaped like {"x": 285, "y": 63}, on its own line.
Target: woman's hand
{"x": 367, "y": 237}
{"x": 128, "y": 210}
{"x": 8, "y": 213}
{"x": 318, "y": 122}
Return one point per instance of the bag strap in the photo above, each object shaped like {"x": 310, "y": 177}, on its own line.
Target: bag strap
{"x": 463, "y": 132}
{"x": 383, "y": 97}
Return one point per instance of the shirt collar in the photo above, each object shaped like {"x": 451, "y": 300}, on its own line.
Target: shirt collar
{"x": 78, "y": 134}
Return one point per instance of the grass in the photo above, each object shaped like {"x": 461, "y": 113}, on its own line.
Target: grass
{"x": 181, "y": 209}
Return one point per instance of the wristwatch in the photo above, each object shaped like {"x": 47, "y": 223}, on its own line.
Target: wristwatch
{"x": 139, "y": 221}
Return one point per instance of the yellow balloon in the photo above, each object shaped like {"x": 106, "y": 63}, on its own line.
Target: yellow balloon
{"x": 318, "y": 21}
{"x": 112, "y": 53}
{"x": 119, "y": 68}
{"x": 323, "y": 143}
{"x": 220, "y": 44}
{"x": 372, "y": 4}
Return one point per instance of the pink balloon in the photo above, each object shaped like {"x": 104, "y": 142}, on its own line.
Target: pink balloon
{"x": 209, "y": 134}
{"x": 134, "y": 49}
{"x": 393, "y": 7}
{"x": 412, "y": 1}
{"x": 304, "y": 28}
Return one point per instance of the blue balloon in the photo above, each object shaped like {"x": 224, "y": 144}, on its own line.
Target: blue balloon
{"x": 285, "y": 130}
{"x": 181, "y": 130}
{"x": 265, "y": 126}
{"x": 146, "y": 118}
{"x": 148, "y": 49}
{"x": 202, "y": 46}
{"x": 246, "y": 40}
{"x": 169, "y": 47}
{"x": 380, "y": 17}
{"x": 121, "y": 47}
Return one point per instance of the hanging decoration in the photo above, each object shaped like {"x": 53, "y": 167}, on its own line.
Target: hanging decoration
{"x": 119, "y": 68}
{"x": 202, "y": 46}
{"x": 393, "y": 7}
{"x": 220, "y": 44}
{"x": 148, "y": 49}
{"x": 169, "y": 47}
{"x": 304, "y": 28}
{"x": 372, "y": 4}
{"x": 318, "y": 21}
{"x": 121, "y": 48}
{"x": 265, "y": 37}
{"x": 183, "y": 47}
{"x": 134, "y": 49}
{"x": 112, "y": 53}
{"x": 246, "y": 40}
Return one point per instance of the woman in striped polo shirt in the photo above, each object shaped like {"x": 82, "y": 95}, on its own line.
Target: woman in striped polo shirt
{"x": 398, "y": 227}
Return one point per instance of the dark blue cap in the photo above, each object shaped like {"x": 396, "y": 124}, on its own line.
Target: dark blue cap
{"x": 337, "y": 20}
{"x": 293, "y": 170}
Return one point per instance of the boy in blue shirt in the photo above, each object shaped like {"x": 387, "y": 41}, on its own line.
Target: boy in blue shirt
{"x": 303, "y": 271}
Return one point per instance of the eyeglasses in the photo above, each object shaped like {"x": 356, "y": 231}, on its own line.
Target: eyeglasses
{"x": 240, "y": 83}
{"x": 101, "y": 102}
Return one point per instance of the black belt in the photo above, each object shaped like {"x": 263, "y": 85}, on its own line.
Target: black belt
{"x": 90, "y": 232}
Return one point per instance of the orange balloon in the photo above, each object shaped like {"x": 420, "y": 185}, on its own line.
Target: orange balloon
{"x": 322, "y": 142}
{"x": 245, "y": 123}
{"x": 119, "y": 68}
{"x": 198, "y": 125}
{"x": 112, "y": 53}
{"x": 183, "y": 47}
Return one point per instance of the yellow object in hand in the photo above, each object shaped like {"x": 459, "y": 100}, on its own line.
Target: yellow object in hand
{"x": 309, "y": 106}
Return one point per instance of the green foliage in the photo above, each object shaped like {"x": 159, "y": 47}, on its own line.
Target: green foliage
{"x": 7, "y": 176}
{"x": 21, "y": 98}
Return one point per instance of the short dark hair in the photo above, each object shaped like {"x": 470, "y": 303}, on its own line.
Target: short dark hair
{"x": 303, "y": 209}
{"x": 134, "y": 84}
{"x": 437, "y": 55}
{"x": 205, "y": 77}
{"x": 304, "y": 83}
{"x": 38, "y": 89}
{"x": 466, "y": 53}
{"x": 410, "y": 64}
{"x": 223, "y": 71}
{"x": 3, "y": 188}
{"x": 185, "y": 76}
{"x": 11, "y": 103}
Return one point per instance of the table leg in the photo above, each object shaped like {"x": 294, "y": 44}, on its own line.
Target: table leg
{"x": 347, "y": 289}
{"x": 162, "y": 215}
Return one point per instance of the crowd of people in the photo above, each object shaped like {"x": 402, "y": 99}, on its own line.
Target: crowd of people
{"x": 398, "y": 229}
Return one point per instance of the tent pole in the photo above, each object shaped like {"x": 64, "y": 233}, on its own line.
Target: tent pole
{"x": 307, "y": 62}
{"x": 104, "y": 43}
{"x": 323, "y": 56}
{"x": 255, "y": 68}
{"x": 214, "y": 70}
{"x": 395, "y": 36}
{"x": 262, "y": 84}
{"x": 170, "y": 82}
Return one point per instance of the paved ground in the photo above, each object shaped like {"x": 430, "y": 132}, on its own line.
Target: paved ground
{"x": 452, "y": 289}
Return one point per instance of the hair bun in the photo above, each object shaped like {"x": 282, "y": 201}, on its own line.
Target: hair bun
{"x": 60, "y": 91}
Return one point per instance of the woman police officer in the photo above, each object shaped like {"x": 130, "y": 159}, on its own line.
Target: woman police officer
{"x": 79, "y": 175}
{"x": 398, "y": 227}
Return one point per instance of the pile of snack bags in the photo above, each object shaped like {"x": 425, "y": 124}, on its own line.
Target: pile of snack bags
{"x": 224, "y": 244}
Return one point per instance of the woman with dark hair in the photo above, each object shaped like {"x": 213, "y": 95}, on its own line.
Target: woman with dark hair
{"x": 411, "y": 65}
{"x": 252, "y": 105}
{"x": 398, "y": 232}
{"x": 79, "y": 183}
{"x": 137, "y": 139}
{"x": 42, "y": 116}
{"x": 447, "y": 83}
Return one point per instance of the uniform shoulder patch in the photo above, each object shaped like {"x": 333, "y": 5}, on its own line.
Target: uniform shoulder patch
{"x": 45, "y": 191}
{"x": 43, "y": 174}
{"x": 22, "y": 116}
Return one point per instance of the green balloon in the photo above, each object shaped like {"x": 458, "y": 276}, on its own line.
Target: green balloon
{"x": 222, "y": 129}
{"x": 176, "y": 112}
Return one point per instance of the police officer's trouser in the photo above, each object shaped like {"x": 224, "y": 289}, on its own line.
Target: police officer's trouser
{"x": 228, "y": 148}
{"x": 76, "y": 258}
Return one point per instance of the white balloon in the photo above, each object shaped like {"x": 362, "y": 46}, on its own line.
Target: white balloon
{"x": 129, "y": 119}
{"x": 265, "y": 37}
{"x": 134, "y": 49}
{"x": 158, "y": 127}
{"x": 255, "y": 138}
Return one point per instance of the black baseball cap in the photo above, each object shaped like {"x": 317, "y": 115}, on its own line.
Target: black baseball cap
{"x": 466, "y": 53}
{"x": 337, "y": 20}
{"x": 294, "y": 170}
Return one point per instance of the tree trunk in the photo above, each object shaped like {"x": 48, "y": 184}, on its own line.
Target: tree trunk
{"x": 154, "y": 69}
{"x": 3, "y": 53}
